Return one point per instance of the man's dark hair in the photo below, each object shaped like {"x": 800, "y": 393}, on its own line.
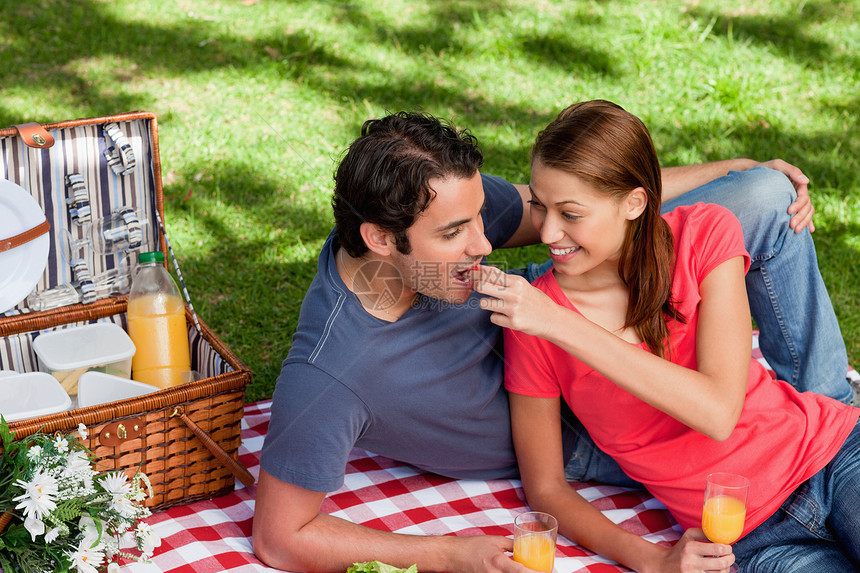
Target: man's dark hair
{"x": 384, "y": 176}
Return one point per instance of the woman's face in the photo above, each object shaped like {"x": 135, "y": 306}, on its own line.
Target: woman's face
{"x": 583, "y": 227}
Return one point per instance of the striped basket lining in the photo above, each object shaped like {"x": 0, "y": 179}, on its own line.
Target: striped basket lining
{"x": 80, "y": 149}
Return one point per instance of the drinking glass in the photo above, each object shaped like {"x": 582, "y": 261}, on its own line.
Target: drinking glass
{"x": 725, "y": 507}
{"x": 535, "y": 534}
{"x": 122, "y": 231}
{"x": 109, "y": 283}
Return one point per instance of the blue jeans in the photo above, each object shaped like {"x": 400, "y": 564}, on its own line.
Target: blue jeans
{"x": 800, "y": 337}
{"x": 799, "y": 334}
{"x": 817, "y": 529}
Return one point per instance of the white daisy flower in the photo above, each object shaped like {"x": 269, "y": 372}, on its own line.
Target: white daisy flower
{"x": 87, "y": 559}
{"x": 116, "y": 484}
{"x": 77, "y": 463}
{"x": 34, "y": 453}
{"x": 61, "y": 444}
{"x": 38, "y": 497}
{"x": 52, "y": 535}
{"x": 148, "y": 540}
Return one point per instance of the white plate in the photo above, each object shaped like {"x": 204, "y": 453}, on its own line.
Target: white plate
{"x": 21, "y": 267}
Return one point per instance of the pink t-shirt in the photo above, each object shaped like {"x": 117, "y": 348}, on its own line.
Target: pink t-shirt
{"x": 782, "y": 438}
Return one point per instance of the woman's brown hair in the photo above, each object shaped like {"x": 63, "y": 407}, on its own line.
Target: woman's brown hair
{"x": 611, "y": 150}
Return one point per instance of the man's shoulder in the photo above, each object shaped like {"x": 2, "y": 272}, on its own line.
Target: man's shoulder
{"x": 499, "y": 192}
{"x": 503, "y": 209}
{"x": 322, "y": 310}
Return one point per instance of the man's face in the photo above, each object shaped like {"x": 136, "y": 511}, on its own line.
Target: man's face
{"x": 447, "y": 240}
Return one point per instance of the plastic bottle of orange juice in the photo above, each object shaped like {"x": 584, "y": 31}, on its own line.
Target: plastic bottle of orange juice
{"x": 156, "y": 325}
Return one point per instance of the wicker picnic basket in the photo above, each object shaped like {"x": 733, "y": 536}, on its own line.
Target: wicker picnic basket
{"x": 186, "y": 438}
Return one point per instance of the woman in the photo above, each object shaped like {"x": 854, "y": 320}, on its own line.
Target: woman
{"x": 643, "y": 328}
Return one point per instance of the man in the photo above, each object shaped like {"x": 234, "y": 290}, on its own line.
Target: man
{"x": 393, "y": 354}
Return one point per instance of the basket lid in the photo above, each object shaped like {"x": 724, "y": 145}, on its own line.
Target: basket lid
{"x": 99, "y": 189}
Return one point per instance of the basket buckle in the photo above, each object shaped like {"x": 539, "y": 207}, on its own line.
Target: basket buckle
{"x": 118, "y": 432}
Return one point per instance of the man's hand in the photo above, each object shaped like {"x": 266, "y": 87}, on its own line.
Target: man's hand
{"x": 483, "y": 554}
{"x": 802, "y": 209}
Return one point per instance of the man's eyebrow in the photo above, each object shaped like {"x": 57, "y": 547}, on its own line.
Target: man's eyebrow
{"x": 451, "y": 225}
{"x": 455, "y": 224}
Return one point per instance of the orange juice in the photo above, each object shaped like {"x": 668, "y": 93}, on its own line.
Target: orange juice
{"x": 723, "y": 518}
{"x": 536, "y": 552}
{"x": 156, "y": 324}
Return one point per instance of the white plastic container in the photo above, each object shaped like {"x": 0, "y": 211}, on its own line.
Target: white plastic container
{"x": 99, "y": 388}
{"x": 66, "y": 354}
{"x": 30, "y": 395}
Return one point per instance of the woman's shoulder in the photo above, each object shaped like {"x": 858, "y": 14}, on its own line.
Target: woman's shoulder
{"x": 701, "y": 218}
{"x": 705, "y": 235}
{"x": 697, "y": 212}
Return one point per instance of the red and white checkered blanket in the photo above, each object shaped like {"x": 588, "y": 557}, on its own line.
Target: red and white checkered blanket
{"x": 215, "y": 535}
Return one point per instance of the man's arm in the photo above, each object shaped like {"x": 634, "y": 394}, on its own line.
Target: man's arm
{"x": 290, "y": 533}
{"x": 526, "y": 233}
{"x": 679, "y": 180}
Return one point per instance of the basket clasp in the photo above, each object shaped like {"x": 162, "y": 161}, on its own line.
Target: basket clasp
{"x": 118, "y": 432}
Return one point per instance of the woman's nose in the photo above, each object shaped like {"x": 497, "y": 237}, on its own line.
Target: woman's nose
{"x": 550, "y": 230}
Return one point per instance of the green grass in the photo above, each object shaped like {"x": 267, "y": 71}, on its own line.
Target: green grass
{"x": 257, "y": 100}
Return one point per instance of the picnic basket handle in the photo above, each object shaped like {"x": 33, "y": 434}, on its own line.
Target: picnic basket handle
{"x": 237, "y": 469}
{"x": 5, "y": 518}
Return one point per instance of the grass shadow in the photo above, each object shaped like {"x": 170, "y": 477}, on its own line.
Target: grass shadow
{"x": 789, "y": 32}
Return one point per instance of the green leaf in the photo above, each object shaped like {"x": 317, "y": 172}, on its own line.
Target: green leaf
{"x": 68, "y": 509}
{"x": 379, "y": 567}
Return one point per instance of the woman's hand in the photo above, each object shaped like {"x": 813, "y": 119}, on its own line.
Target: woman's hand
{"x": 693, "y": 553}
{"x": 515, "y": 303}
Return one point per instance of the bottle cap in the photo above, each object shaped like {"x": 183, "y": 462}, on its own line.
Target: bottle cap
{"x": 150, "y": 257}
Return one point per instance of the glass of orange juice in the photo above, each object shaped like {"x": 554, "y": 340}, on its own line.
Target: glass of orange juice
{"x": 535, "y": 534}
{"x": 725, "y": 507}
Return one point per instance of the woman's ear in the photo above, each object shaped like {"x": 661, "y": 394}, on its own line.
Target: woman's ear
{"x": 377, "y": 240}
{"x": 635, "y": 203}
